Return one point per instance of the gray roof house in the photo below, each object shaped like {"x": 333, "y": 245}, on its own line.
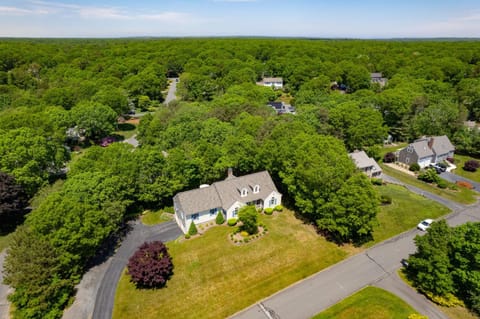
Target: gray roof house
{"x": 203, "y": 204}
{"x": 427, "y": 150}
{"x": 366, "y": 164}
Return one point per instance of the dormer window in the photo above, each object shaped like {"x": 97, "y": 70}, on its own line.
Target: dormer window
{"x": 256, "y": 189}
{"x": 244, "y": 192}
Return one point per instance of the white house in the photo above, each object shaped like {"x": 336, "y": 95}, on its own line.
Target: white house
{"x": 276, "y": 83}
{"x": 366, "y": 164}
{"x": 203, "y": 204}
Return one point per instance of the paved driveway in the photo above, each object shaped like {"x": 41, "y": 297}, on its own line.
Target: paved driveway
{"x": 453, "y": 178}
{"x": 4, "y": 291}
{"x": 376, "y": 266}
{"x": 140, "y": 233}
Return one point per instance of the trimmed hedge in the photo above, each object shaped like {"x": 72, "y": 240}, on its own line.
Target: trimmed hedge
{"x": 414, "y": 167}
{"x": 268, "y": 211}
{"x": 219, "y": 219}
{"x": 232, "y": 222}
{"x": 278, "y": 208}
{"x": 471, "y": 165}
{"x": 193, "y": 229}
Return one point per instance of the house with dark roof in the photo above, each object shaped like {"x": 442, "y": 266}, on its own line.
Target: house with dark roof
{"x": 202, "y": 205}
{"x": 366, "y": 164}
{"x": 426, "y": 151}
{"x": 282, "y": 108}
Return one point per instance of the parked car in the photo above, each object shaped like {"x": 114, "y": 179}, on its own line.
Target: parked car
{"x": 424, "y": 224}
{"x": 439, "y": 169}
{"x": 404, "y": 262}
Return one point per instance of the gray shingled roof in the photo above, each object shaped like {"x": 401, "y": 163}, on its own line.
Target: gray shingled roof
{"x": 442, "y": 145}
{"x": 225, "y": 193}
{"x": 421, "y": 148}
{"x": 273, "y": 80}
{"x": 362, "y": 160}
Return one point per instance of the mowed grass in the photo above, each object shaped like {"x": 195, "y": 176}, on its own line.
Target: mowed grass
{"x": 459, "y": 162}
{"x": 462, "y": 195}
{"x": 153, "y": 218}
{"x": 5, "y": 241}
{"x": 405, "y": 212}
{"x": 369, "y": 303}
{"x": 214, "y": 278}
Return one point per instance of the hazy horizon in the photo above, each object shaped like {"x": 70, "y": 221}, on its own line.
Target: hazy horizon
{"x": 349, "y": 19}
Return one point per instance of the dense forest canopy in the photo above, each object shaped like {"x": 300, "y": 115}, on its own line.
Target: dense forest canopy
{"x": 52, "y": 92}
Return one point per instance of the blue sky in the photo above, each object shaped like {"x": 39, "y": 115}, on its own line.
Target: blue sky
{"x": 321, "y": 18}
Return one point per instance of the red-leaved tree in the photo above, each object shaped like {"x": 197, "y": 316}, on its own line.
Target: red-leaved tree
{"x": 151, "y": 265}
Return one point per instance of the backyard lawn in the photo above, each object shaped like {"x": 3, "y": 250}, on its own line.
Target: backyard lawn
{"x": 405, "y": 212}
{"x": 156, "y": 217}
{"x": 459, "y": 161}
{"x": 369, "y": 303}
{"x": 462, "y": 195}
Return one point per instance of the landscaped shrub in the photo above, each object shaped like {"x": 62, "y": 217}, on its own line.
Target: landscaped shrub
{"x": 248, "y": 216}
{"x": 385, "y": 199}
{"x": 169, "y": 209}
{"x": 416, "y": 316}
{"x": 219, "y": 219}
{"x": 187, "y": 236}
{"x": 451, "y": 160}
{"x": 442, "y": 183}
{"x": 414, "y": 167}
{"x": 471, "y": 165}
{"x": 389, "y": 158}
{"x": 377, "y": 181}
{"x": 429, "y": 176}
{"x": 447, "y": 301}
{"x": 193, "y": 229}
{"x": 232, "y": 222}
{"x": 151, "y": 265}
{"x": 464, "y": 184}
{"x": 244, "y": 234}
{"x": 268, "y": 211}
{"x": 278, "y": 208}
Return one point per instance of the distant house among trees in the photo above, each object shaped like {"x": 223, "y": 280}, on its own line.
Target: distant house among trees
{"x": 202, "y": 205}
{"x": 282, "y": 108}
{"x": 276, "y": 83}
{"x": 426, "y": 151}
{"x": 366, "y": 164}
{"x": 378, "y": 78}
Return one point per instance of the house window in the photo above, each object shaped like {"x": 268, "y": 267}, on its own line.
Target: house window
{"x": 212, "y": 211}
{"x": 410, "y": 149}
{"x": 407, "y": 160}
{"x": 256, "y": 189}
{"x": 273, "y": 201}
{"x": 235, "y": 212}
{"x": 195, "y": 216}
{"x": 244, "y": 192}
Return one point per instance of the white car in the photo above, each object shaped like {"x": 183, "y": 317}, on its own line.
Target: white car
{"x": 424, "y": 224}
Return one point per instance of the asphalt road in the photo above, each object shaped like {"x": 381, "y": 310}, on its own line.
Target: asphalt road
{"x": 137, "y": 236}
{"x": 453, "y": 178}
{"x": 172, "y": 89}
{"x": 375, "y": 266}
{"x": 4, "y": 291}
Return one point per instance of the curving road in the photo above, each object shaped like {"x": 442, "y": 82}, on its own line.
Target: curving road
{"x": 376, "y": 266}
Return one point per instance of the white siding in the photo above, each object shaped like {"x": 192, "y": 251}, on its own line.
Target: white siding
{"x": 231, "y": 210}
{"x": 267, "y": 202}
{"x": 203, "y": 217}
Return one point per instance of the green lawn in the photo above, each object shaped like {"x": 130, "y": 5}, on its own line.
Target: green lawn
{"x": 214, "y": 278}
{"x": 152, "y": 218}
{"x": 459, "y": 161}
{"x": 5, "y": 241}
{"x": 391, "y": 148}
{"x": 369, "y": 303}
{"x": 405, "y": 212}
{"x": 462, "y": 195}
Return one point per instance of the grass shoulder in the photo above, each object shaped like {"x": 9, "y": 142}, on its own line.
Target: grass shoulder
{"x": 404, "y": 213}
{"x": 462, "y": 195}
{"x": 459, "y": 162}
{"x": 370, "y": 302}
